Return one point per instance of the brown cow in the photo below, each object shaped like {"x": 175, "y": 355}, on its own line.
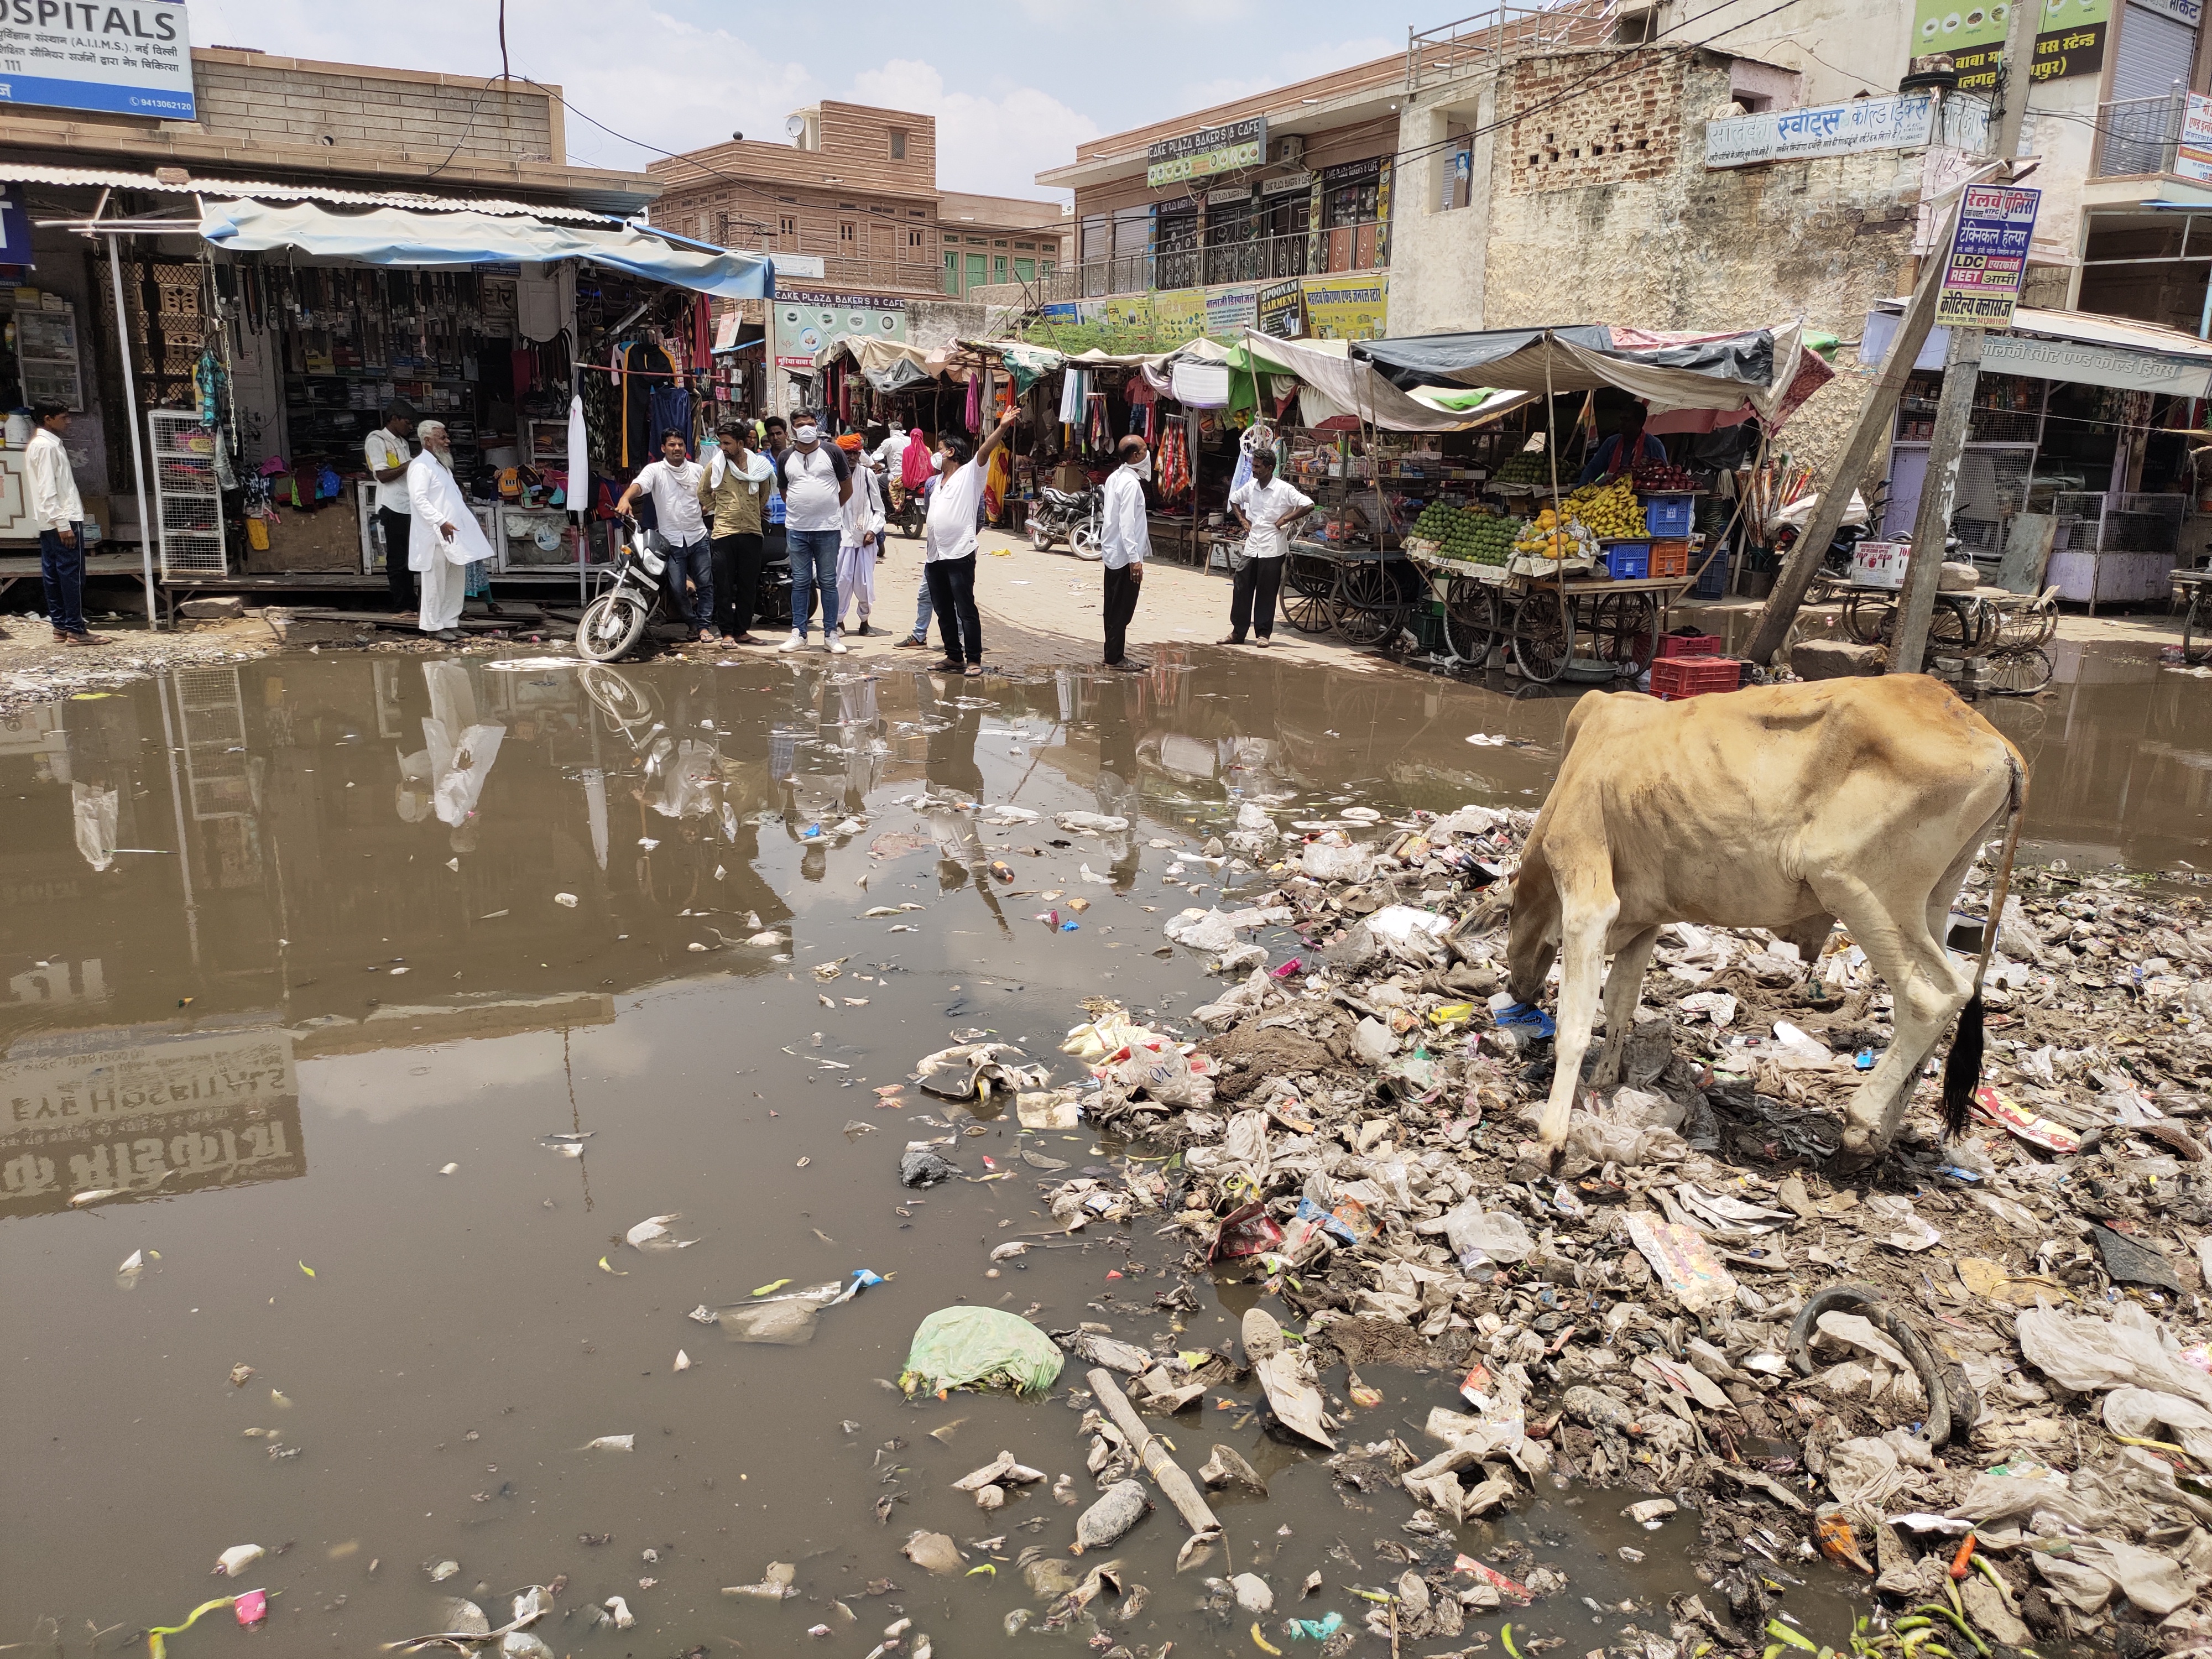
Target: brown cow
{"x": 1783, "y": 807}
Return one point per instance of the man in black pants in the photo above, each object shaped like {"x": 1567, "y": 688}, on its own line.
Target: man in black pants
{"x": 1124, "y": 539}
{"x": 734, "y": 486}
{"x": 388, "y": 455}
{"x": 1267, "y": 507}
{"x": 948, "y": 546}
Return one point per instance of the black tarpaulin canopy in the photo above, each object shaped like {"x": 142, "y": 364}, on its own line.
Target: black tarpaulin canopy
{"x": 1759, "y": 367}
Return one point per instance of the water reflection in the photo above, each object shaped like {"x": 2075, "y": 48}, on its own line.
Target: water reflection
{"x": 136, "y": 1113}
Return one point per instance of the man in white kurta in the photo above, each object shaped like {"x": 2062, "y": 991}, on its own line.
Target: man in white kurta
{"x": 447, "y": 535}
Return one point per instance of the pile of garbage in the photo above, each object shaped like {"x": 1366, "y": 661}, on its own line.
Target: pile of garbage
{"x": 1975, "y": 1373}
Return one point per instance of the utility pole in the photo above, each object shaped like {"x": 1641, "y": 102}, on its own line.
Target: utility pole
{"x": 1962, "y": 366}
{"x": 1875, "y": 415}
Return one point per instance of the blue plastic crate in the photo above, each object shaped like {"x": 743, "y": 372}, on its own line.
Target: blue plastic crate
{"x": 1713, "y": 583}
{"x": 1667, "y": 515}
{"x": 1628, "y": 562}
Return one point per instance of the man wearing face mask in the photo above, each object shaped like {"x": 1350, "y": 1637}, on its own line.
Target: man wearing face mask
{"x": 817, "y": 483}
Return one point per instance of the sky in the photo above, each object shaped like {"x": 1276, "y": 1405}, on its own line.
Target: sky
{"x": 1014, "y": 85}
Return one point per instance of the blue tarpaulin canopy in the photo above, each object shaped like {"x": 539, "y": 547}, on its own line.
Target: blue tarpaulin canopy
{"x": 399, "y": 236}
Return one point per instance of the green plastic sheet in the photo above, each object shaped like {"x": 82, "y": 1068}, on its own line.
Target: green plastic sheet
{"x": 958, "y": 1347}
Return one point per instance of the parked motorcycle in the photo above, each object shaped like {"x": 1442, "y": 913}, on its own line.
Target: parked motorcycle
{"x": 615, "y": 622}
{"x": 1073, "y": 516}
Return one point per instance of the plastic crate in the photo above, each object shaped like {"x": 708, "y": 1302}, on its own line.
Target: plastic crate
{"x": 1667, "y": 515}
{"x": 1689, "y": 645}
{"x": 1670, "y": 559}
{"x": 1628, "y": 561}
{"x": 1712, "y": 580}
{"x": 1676, "y": 677}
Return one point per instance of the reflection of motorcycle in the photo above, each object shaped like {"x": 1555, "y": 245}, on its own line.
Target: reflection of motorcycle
{"x": 616, "y": 621}
{"x": 1059, "y": 514}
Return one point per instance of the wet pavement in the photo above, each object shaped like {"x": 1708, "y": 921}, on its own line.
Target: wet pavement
{"x": 286, "y": 940}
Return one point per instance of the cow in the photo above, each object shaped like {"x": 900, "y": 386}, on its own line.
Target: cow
{"x": 1785, "y": 807}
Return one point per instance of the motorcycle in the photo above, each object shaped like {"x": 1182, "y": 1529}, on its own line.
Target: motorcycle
{"x": 1059, "y": 514}
{"x": 616, "y": 620}
{"x": 909, "y": 514}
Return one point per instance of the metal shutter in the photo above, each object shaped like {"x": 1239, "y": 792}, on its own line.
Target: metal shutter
{"x": 2154, "y": 52}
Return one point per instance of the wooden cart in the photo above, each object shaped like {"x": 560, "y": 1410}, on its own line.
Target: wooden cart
{"x": 2006, "y": 633}
{"x": 1542, "y": 620}
{"x": 1365, "y": 593}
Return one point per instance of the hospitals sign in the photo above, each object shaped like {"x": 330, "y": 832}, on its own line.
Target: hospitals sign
{"x": 130, "y": 58}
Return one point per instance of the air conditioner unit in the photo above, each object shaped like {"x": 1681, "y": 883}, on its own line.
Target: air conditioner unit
{"x": 1290, "y": 149}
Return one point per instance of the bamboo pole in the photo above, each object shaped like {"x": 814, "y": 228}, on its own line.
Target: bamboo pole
{"x": 1166, "y": 1472}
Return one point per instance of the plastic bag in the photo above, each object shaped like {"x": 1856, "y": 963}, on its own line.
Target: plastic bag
{"x": 2088, "y": 1354}
{"x": 1414, "y": 935}
{"x": 1498, "y": 1235}
{"x": 1332, "y": 857}
{"x": 955, "y": 1348}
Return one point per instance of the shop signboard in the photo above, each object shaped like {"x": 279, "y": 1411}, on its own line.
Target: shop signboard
{"x": 2190, "y": 12}
{"x": 1231, "y": 311}
{"x": 2080, "y": 363}
{"x": 156, "y": 1114}
{"x": 1988, "y": 257}
{"x": 1282, "y": 310}
{"x": 1285, "y": 184}
{"x": 806, "y": 321}
{"x": 134, "y": 58}
{"x": 2192, "y": 156}
{"x": 2069, "y": 37}
{"x": 1210, "y": 150}
{"x": 1348, "y": 307}
{"x": 1904, "y": 122}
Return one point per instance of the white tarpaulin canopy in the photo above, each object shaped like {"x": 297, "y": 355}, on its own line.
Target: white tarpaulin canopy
{"x": 398, "y": 236}
{"x": 1333, "y": 383}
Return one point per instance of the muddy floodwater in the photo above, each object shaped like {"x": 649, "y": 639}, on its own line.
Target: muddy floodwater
{"x": 310, "y": 960}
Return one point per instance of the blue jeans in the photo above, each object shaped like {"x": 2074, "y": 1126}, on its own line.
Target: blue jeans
{"x": 694, "y": 564}
{"x": 813, "y": 565}
{"x": 921, "y": 608}
{"x": 62, "y": 571}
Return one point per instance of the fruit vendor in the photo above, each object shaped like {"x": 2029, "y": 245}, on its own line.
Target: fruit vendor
{"x": 1616, "y": 457}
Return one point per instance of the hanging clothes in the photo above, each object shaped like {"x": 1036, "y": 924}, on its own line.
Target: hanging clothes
{"x": 669, "y": 409}
{"x": 974, "y": 413}
{"x": 1072, "y": 387}
{"x": 637, "y": 361}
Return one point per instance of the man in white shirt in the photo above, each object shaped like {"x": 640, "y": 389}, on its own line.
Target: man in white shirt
{"x": 860, "y": 543}
{"x": 948, "y": 545}
{"x": 817, "y": 481}
{"x": 890, "y": 454}
{"x": 1267, "y": 507}
{"x": 673, "y": 483}
{"x": 445, "y": 535}
{"x": 59, "y": 514}
{"x": 1124, "y": 537}
{"x": 388, "y": 456}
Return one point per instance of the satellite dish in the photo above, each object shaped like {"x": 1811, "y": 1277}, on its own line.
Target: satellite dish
{"x": 796, "y": 127}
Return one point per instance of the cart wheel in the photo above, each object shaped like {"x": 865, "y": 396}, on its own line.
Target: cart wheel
{"x": 1474, "y": 619}
{"x": 1962, "y": 625}
{"x": 1367, "y": 609}
{"x": 2019, "y": 673}
{"x": 1625, "y": 626}
{"x": 1307, "y": 585}
{"x": 2189, "y": 659}
{"x": 1868, "y": 621}
{"x": 1543, "y": 637}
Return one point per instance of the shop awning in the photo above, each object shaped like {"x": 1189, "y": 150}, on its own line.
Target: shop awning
{"x": 1758, "y": 368}
{"x": 2080, "y": 348}
{"x": 398, "y": 236}
{"x": 1334, "y": 383}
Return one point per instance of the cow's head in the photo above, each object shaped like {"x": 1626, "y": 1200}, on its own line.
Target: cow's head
{"x": 1532, "y": 939}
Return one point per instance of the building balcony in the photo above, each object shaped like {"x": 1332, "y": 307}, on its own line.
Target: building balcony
{"x": 1343, "y": 249}
{"x": 2138, "y": 137}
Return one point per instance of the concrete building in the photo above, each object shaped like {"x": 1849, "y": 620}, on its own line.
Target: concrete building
{"x": 991, "y": 241}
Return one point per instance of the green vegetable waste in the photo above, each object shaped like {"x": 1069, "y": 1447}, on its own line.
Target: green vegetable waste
{"x": 967, "y": 1347}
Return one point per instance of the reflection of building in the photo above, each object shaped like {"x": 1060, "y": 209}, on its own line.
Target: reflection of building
{"x": 146, "y": 1113}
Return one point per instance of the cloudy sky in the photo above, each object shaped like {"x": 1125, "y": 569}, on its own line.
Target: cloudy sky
{"x": 1014, "y": 86}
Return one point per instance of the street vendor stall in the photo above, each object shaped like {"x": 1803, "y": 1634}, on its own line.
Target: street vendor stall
{"x": 1579, "y": 583}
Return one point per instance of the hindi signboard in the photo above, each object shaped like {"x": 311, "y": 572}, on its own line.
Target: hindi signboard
{"x": 1210, "y": 150}
{"x": 130, "y": 58}
{"x": 1988, "y": 258}
{"x": 1904, "y": 122}
{"x": 2192, "y": 156}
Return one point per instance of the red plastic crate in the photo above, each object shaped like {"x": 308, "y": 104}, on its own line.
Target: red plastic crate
{"x": 1674, "y": 678}
{"x": 1689, "y": 645}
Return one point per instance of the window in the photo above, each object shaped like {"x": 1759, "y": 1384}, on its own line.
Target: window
{"x": 979, "y": 241}
{"x": 914, "y": 238}
{"x": 1044, "y": 267}
{"x": 952, "y": 273}
{"x": 847, "y": 231}
{"x": 917, "y": 213}
{"x": 898, "y": 144}
{"x": 997, "y": 267}
{"x": 999, "y": 242}
{"x": 787, "y": 225}
{"x": 1025, "y": 245}
{"x": 1024, "y": 269}
{"x": 976, "y": 277}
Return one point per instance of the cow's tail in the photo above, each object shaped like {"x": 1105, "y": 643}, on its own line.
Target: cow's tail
{"x": 1962, "y": 1071}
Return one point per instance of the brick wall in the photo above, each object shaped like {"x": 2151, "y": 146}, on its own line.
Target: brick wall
{"x": 277, "y": 101}
{"x": 1592, "y": 117}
